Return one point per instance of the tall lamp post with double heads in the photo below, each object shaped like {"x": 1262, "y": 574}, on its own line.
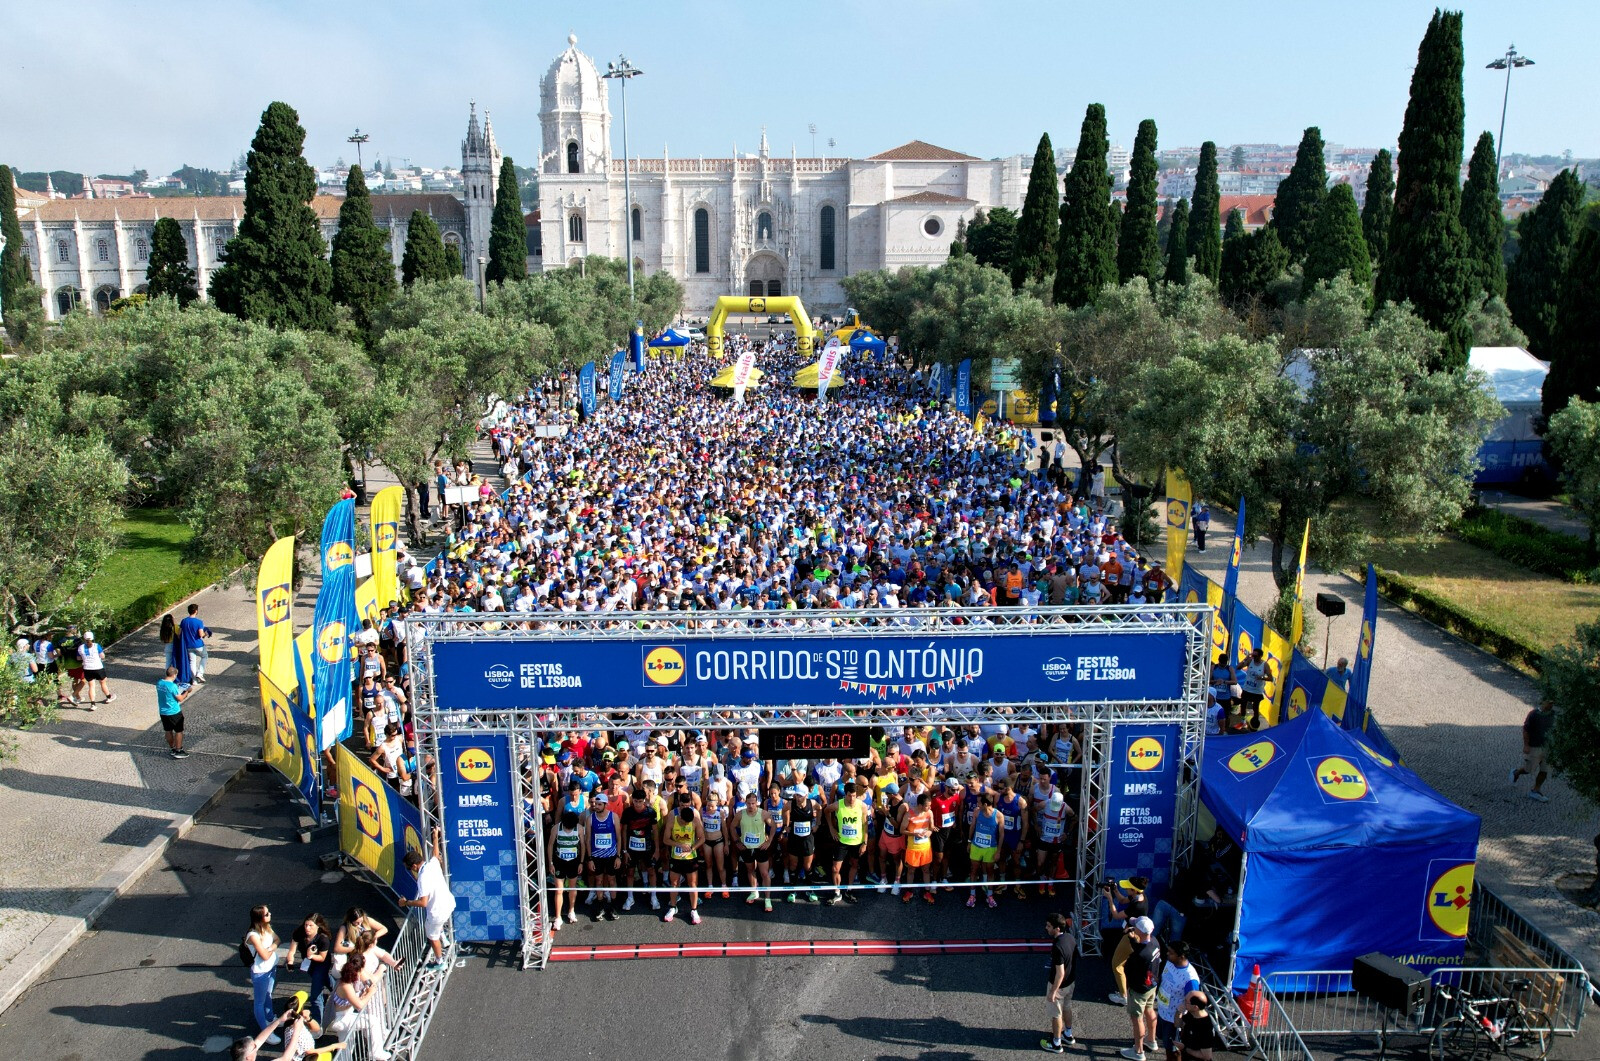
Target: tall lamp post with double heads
{"x": 622, "y": 71}
{"x": 1508, "y": 62}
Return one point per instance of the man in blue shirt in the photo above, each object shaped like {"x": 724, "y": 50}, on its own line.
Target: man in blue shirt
{"x": 194, "y": 634}
{"x": 169, "y": 702}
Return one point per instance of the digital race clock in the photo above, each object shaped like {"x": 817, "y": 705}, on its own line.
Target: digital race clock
{"x": 826, "y": 742}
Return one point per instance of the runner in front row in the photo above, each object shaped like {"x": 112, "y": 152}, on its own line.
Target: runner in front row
{"x": 754, "y": 832}
{"x": 800, "y": 824}
{"x": 919, "y": 848}
{"x": 848, "y": 826}
{"x": 682, "y": 837}
{"x": 566, "y": 854}
{"x": 602, "y": 839}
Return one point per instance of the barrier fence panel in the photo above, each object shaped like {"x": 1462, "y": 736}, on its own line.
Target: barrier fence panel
{"x": 1273, "y": 1036}
{"x": 397, "y": 1019}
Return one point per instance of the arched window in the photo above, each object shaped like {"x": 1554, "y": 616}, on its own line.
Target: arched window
{"x": 222, "y": 246}
{"x": 575, "y": 228}
{"x": 572, "y": 157}
{"x": 774, "y": 288}
{"x": 142, "y": 249}
{"x": 103, "y": 297}
{"x": 638, "y": 225}
{"x": 66, "y": 298}
{"x": 825, "y": 256}
{"x": 102, "y": 250}
{"x": 63, "y": 252}
{"x": 702, "y": 240}
{"x": 763, "y": 225}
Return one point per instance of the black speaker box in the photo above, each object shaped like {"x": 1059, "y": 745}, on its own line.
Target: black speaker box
{"x": 1330, "y": 605}
{"x": 1383, "y": 980}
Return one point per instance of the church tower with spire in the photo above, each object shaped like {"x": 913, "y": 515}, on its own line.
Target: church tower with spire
{"x": 480, "y": 173}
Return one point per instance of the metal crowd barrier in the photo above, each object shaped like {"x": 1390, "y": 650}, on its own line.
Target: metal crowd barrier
{"x": 405, "y": 1001}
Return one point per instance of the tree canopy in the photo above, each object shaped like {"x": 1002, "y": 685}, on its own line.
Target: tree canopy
{"x": 1300, "y": 196}
{"x": 363, "y": 271}
{"x": 1336, "y": 246}
{"x": 1544, "y": 240}
{"x": 1575, "y": 347}
{"x": 1379, "y": 205}
{"x": 1205, "y": 217}
{"x": 1481, "y": 219}
{"x": 1178, "y": 245}
{"x": 425, "y": 256}
{"x": 1086, "y": 246}
{"x": 1033, "y": 256}
{"x": 168, "y": 272}
{"x": 508, "y": 234}
{"x": 992, "y": 236}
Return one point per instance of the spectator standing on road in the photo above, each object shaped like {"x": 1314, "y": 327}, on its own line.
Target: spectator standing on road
{"x": 1535, "y": 735}
{"x": 263, "y": 943}
{"x": 1140, "y": 972}
{"x": 172, "y": 640}
{"x": 312, "y": 946}
{"x": 195, "y": 634}
{"x": 1197, "y": 1032}
{"x": 1058, "y": 989}
{"x": 1178, "y": 979}
{"x": 1200, "y": 517}
{"x": 93, "y": 659}
{"x": 434, "y": 897}
{"x": 169, "y": 703}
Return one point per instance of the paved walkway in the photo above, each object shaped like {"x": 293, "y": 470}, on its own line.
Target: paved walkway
{"x": 1456, "y": 713}
{"x": 1550, "y": 514}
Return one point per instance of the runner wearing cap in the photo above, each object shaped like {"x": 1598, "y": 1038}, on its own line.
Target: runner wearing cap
{"x": 800, "y": 824}
{"x": 1050, "y": 826}
{"x": 892, "y": 837}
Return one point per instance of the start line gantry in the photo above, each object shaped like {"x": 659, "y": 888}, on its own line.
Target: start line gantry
{"x": 490, "y": 685}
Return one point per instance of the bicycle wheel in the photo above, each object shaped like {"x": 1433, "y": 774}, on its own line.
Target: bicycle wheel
{"x": 1526, "y": 1036}
{"x": 1458, "y": 1039}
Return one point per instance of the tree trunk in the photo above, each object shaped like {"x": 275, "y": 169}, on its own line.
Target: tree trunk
{"x": 1281, "y": 576}
{"x": 413, "y": 514}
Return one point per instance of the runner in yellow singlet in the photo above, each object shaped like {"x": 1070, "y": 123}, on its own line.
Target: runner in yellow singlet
{"x": 753, "y": 833}
{"x": 848, "y": 824}
{"x": 682, "y": 837}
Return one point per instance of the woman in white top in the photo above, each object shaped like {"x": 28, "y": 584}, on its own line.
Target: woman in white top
{"x": 93, "y": 660}
{"x": 263, "y": 944}
{"x": 353, "y": 1000}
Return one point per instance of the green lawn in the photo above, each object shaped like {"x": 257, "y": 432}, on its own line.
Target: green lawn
{"x": 147, "y": 573}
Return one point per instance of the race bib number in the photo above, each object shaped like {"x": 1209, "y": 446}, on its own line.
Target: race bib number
{"x": 947, "y": 820}
{"x": 637, "y": 843}
{"x": 752, "y": 840}
{"x": 802, "y": 828}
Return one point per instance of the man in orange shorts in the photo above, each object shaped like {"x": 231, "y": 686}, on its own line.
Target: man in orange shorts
{"x": 919, "y": 848}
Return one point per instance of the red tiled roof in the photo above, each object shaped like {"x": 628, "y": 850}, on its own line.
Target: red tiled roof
{"x": 226, "y": 207}
{"x": 1257, "y": 208}
{"x": 920, "y": 151}
{"x": 933, "y": 199}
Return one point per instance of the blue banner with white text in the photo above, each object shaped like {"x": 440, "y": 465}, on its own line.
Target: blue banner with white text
{"x": 476, "y": 792}
{"x": 619, "y": 373}
{"x": 1142, "y": 816}
{"x": 963, "y": 388}
{"x": 586, "y": 393}
{"x": 334, "y": 620}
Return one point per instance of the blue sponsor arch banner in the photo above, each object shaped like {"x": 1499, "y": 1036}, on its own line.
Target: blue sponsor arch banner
{"x": 1143, "y": 812}
{"x": 844, "y": 670}
{"x": 477, "y": 797}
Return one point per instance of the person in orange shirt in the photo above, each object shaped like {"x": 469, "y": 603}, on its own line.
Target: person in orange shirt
{"x": 1111, "y": 572}
{"x": 1012, "y": 585}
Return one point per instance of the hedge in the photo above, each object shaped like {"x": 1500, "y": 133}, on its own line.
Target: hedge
{"x": 1493, "y": 639}
{"x": 125, "y": 620}
{"x": 1530, "y": 545}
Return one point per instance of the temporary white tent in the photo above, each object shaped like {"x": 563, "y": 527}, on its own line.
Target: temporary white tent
{"x": 1513, "y": 451}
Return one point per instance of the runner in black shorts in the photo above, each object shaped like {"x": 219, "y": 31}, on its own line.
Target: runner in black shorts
{"x": 566, "y": 860}
{"x": 800, "y": 826}
{"x": 639, "y": 827}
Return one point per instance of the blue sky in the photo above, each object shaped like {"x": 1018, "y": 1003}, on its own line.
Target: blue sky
{"x": 113, "y": 86}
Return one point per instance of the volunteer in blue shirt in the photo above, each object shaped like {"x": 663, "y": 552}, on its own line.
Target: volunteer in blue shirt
{"x": 169, "y": 702}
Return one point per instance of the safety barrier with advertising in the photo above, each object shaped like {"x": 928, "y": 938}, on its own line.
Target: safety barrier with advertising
{"x": 377, "y": 826}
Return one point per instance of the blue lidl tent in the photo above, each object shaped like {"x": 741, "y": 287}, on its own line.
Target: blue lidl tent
{"x": 670, "y": 337}
{"x": 864, "y": 342}
{"x": 1345, "y": 851}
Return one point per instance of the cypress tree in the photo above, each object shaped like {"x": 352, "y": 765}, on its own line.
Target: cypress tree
{"x": 1138, "y": 247}
{"x": 1575, "y": 364}
{"x": 1301, "y": 195}
{"x": 1545, "y": 236}
{"x": 1481, "y": 218}
{"x": 426, "y": 257}
{"x": 1379, "y": 205}
{"x": 15, "y": 274}
{"x": 508, "y": 234}
{"x": 1251, "y": 262}
{"x": 275, "y": 270}
{"x": 1086, "y": 249}
{"x": 1426, "y": 261}
{"x": 1336, "y": 245}
{"x": 168, "y": 272}
{"x": 1205, "y": 221}
{"x": 1178, "y": 245}
{"x": 991, "y": 236}
{"x": 1232, "y": 230}
{"x": 1033, "y": 255}
{"x": 363, "y": 271}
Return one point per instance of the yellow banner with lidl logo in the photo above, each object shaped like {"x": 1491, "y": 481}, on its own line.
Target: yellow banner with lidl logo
{"x": 385, "y": 542}
{"x": 275, "y": 612}
{"x": 1279, "y": 653}
{"x": 1179, "y": 498}
{"x": 287, "y": 739}
{"x": 377, "y": 826}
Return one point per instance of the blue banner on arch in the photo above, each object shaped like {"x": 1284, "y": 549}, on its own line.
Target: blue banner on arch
{"x": 1143, "y": 804}
{"x": 477, "y": 794}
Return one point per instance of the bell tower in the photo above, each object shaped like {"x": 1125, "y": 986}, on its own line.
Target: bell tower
{"x": 480, "y": 171}
{"x": 574, "y": 116}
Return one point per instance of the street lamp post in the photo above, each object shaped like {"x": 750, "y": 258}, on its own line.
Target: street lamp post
{"x": 358, "y": 139}
{"x": 1507, "y": 62}
{"x": 622, "y": 71}
{"x": 482, "y": 263}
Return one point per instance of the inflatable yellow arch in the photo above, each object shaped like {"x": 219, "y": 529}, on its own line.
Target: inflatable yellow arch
{"x": 740, "y": 304}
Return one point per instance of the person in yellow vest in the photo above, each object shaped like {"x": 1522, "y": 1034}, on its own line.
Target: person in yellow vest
{"x": 847, "y": 824}
{"x": 682, "y": 839}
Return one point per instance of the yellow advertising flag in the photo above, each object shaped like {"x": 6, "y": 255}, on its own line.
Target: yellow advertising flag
{"x": 306, "y": 647}
{"x": 366, "y": 830}
{"x": 1299, "y": 621}
{"x": 1279, "y": 654}
{"x": 385, "y": 539}
{"x": 1219, "y": 628}
{"x": 280, "y": 740}
{"x": 275, "y": 612}
{"x": 1179, "y": 497}
{"x": 367, "y": 599}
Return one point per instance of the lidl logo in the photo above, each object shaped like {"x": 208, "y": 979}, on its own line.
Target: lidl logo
{"x": 475, "y": 765}
{"x": 330, "y": 642}
{"x": 1298, "y": 702}
{"x": 368, "y": 818}
{"x": 1366, "y": 639}
{"x": 1340, "y": 778}
{"x": 1244, "y": 646}
{"x": 663, "y": 665}
{"x": 282, "y": 726}
{"x": 1450, "y": 899}
{"x": 1145, "y": 753}
{"x": 338, "y": 555}
{"x": 383, "y": 537}
{"x": 1252, "y": 757}
{"x": 1177, "y": 513}
{"x": 1238, "y": 550}
{"x": 275, "y": 601}
{"x": 758, "y": 305}
{"x": 413, "y": 842}
{"x": 1219, "y": 635}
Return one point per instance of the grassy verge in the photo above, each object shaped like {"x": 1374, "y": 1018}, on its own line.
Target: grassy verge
{"x": 147, "y": 574}
{"x": 1531, "y": 545}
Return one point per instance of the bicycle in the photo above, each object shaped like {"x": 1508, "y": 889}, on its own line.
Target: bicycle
{"x": 1480, "y": 1027}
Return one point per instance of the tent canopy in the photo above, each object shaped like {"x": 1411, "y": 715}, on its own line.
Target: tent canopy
{"x": 725, "y": 378}
{"x": 863, "y": 341}
{"x": 806, "y": 378}
{"x": 1309, "y": 784}
{"x": 1516, "y": 377}
{"x": 670, "y": 337}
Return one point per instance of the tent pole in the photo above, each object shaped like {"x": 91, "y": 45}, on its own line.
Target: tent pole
{"x": 1238, "y": 914}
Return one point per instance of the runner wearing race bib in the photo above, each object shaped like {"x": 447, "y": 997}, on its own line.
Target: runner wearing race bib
{"x": 800, "y": 824}
{"x": 919, "y": 848}
{"x": 601, "y": 840}
{"x": 983, "y": 845}
{"x": 848, "y": 826}
{"x": 683, "y": 836}
{"x": 565, "y": 851}
{"x": 1050, "y": 827}
{"x": 753, "y": 829}
{"x": 892, "y": 841}
{"x": 639, "y": 823}
{"x": 715, "y": 851}
{"x": 946, "y": 807}
{"x": 1014, "y": 826}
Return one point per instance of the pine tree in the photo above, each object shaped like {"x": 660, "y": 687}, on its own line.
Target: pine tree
{"x": 1233, "y": 229}
{"x": 363, "y": 271}
{"x": 1481, "y": 218}
{"x": 1301, "y": 195}
{"x": 426, "y": 257}
{"x": 1251, "y": 262}
{"x": 1138, "y": 249}
{"x": 508, "y": 233}
{"x": 276, "y": 270}
{"x": 1033, "y": 255}
{"x": 168, "y": 272}
{"x": 1379, "y": 205}
{"x": 1086, "y": 249}
{"x": 1178, "y": 245}
{"x": 1205, "y": 216}
{"x": 1336, "y": 245}
{"x": 1533, "y": 283}
{"x": 15, "y": 274}
{"x": 1426, "y": 261}
{"x": 1575, "y": 357}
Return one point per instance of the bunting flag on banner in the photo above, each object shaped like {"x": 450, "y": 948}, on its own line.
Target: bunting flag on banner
{"x": 385, "y": 580}
{"x": 619, "y": 372}
{"x": 636, "y": 345}
{"x": 1230, "y": 581}
{"x": 827, "y": 364}
{"x": 962, "y": 392}
{"x": 586, "y": 392}
{"x": 1179, "y": 498}
{"x": 275, "y": 611}
{"x": 334, "y": 621}
{"x": 1298, "y": 624}
{"x": 1355, "y": 711}
{"x": 741, "y": 374}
